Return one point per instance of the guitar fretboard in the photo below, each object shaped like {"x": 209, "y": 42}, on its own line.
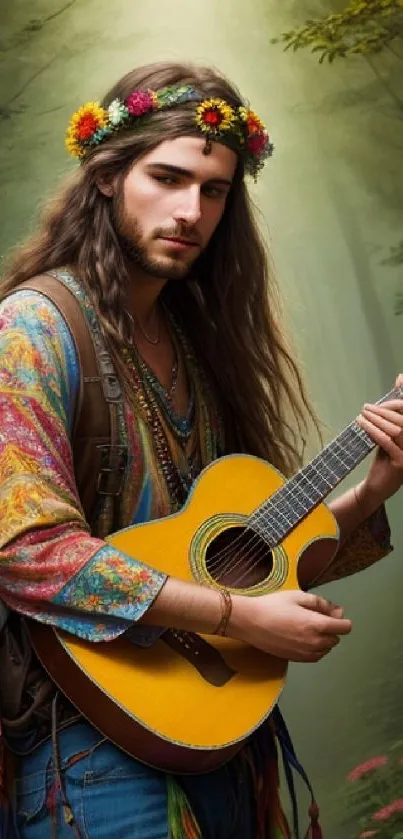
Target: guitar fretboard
{"x": 274, "y": 519}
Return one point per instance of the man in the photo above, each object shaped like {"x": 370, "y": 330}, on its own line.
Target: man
{"x": 155, "y": 235}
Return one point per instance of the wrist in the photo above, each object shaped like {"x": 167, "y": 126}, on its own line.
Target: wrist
{"x": 226, "y": 604}
{"x": 366, "y": 499}
{"x": 240, "y": 617}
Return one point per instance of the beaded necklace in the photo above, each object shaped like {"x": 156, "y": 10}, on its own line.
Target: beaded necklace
{"x": 199, "y": 435}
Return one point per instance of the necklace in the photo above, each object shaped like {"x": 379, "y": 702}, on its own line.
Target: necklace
{"x": 203, "y": 424}
{"x": 149, "y": 375}
{"x": 134, "y": 321}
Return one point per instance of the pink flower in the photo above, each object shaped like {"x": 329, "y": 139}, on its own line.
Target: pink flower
{"x": 368, "y": 766}
{"x": 367, "y": 834}
{"x": 140, "y": 102}
{"x": 394, "y": 807}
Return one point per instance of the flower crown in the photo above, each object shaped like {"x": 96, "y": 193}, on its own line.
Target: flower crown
{"x": 215, "y": 118}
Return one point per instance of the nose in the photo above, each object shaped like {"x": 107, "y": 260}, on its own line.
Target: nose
{"x": 188, "y": 210}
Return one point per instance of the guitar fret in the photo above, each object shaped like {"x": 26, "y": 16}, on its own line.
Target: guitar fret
{"x": 304, "y": 491}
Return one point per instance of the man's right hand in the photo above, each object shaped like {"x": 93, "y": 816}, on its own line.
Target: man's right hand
{"x": 293, "y": 625}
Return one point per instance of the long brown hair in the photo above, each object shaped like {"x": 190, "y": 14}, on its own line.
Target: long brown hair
{"x": 231, "y": 307}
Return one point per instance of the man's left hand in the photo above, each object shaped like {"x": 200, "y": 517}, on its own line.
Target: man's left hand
{"x": 384, "y": 424}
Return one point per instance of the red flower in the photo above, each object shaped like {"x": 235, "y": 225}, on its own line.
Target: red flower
{"x": 213, "y": 118}
{"x": 256, "y": 143}
{"x": 394, "y": 807}
{"x": 368, "y": 766}
{"x": 86, "y": 127}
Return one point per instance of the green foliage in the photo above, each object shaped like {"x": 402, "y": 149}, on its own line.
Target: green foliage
{"x": 362, "y": 28}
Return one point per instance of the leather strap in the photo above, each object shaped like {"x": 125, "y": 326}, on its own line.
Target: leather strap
{"x": 99, "y": 459}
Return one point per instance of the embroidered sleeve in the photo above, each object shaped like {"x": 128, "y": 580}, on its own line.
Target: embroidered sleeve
{"x": 50, "y": 566}
{"x": 367, "y": 544}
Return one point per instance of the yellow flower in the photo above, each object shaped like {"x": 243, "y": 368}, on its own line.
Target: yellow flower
{"x": 214, "y": 116}
{"x": 83, "y": 125}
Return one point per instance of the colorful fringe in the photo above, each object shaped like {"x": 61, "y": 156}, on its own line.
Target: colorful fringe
{"x": 262, "y": 762}
{"x": 261, "y": 756}
{"x": 181, "y": 820}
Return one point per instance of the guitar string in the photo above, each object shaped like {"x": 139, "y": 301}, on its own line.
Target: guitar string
{"x": 256, "y": 539}
{"x": 224, "y": 559}
{"x": 359, "y": 436}
{"x": 296, "y": 494}
{"x": 256, "y": 544}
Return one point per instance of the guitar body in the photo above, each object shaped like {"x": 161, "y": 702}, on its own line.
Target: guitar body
{"x": 188, "y": 703}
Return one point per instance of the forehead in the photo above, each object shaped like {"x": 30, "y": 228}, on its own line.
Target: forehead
{"x": 187, "y": 153}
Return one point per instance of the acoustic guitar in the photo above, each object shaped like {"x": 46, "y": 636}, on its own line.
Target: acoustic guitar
{"x": 188, "y": 703}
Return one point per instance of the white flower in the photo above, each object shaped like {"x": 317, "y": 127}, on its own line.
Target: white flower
{"x": 117, "y": 112}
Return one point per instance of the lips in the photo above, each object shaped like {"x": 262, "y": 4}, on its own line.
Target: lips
{"x": 179, "y": 241}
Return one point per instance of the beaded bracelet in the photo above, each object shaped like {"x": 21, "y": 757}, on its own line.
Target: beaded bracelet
{"x": 226, "y": 611}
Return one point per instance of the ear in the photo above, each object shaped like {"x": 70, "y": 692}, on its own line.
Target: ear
{"x": 106, "y": 186}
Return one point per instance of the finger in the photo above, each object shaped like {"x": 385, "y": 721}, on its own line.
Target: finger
{"x": 334, "y": 640}
{"x": 389, "y": 421}
{"x": 393, "y": 410}
{"x": 316, "y": 603}
{"x": 390, "y": 404}
{"x": 325, "y": 643}
{"x": 338, "y": 612}
{"x": 336, "y": 626}
{"x": 314, "y": 657}
{"x": 399, "y": 380}
{"x": 381, "y": 439}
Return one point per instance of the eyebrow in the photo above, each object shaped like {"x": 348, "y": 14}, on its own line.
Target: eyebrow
{"x": 185, "y": 173}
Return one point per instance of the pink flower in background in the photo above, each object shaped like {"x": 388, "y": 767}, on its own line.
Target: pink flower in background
{"x": 390, "y": 809}
{"x": 368, "y": 766}
{"x": 367, "y": 834}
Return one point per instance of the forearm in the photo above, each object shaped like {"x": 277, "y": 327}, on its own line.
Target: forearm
{"x": 352, "y": 509}
{"x": 364, "y": 539}
{"x": 187, "y": 606}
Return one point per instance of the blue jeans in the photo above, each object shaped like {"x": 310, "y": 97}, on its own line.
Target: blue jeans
{"x": 113, "y": 796}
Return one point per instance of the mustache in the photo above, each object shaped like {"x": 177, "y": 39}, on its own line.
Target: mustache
{"x": 181, "y": 232}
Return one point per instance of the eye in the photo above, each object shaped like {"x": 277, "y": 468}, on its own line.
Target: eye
{"x": 214, "y": 192}
{"x": 167, "y": 180}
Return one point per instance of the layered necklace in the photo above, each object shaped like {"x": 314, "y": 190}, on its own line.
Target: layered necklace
{"x": 156, "y": 404}
{"x": 146, "y": 370}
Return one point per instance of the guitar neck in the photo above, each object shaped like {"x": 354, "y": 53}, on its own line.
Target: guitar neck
{"x": 284, "y": 510}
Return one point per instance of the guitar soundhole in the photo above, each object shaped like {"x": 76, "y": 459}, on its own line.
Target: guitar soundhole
{"x": 239, "y": 558}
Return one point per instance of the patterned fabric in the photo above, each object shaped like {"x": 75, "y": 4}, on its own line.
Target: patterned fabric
{"x": 366, "y": 545}
{"x": 49, "y": 562}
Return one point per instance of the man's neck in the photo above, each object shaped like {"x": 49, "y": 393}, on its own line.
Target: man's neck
{"x": 144, "y": 291}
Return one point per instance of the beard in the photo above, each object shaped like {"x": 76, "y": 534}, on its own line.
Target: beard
{"x": 137, "y": 251}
